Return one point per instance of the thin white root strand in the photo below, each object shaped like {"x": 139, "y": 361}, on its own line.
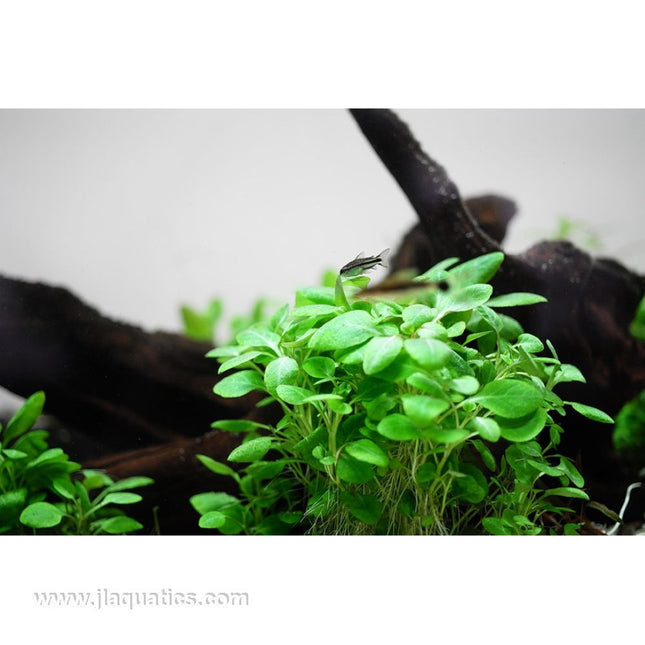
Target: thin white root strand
{"x": 614, "y": 529}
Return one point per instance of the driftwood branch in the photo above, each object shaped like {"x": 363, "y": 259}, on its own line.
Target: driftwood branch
{"x": 122, "y": 386}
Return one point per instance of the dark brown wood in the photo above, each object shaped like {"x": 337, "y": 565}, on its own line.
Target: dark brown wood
{"x": 118, "y": 385}
{"x": 492, "y": 214}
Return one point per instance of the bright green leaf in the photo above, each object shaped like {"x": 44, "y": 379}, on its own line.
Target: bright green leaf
{"x": 235, "y": 425}
{"x": 239, "y": 384}
{"x": 572, "y": 472}
{"x": 353, "y": 471}
{"x": 591, "y": 413}
{"x": 25, "y": 417}
{"x": 281, "y": 371}
{"x": 486, "y": 454}
{"x": 52, "y": 454}
{"x": 467, "y": 385}
{"x": 259, "y": 336}
{"x": 423, "y": 409}
{"x": 41, "y": 515}
{"x": 367, "y": 451}
{"x": 225, "y": 351}
{"x": 568, "y": 373}
{"x": 532, "y": 344}
{"x": 509, "y": 398}
{"x": 523, "y": 428}
{"x": 543, "y": 467}
{"x": 416, "y": 315}
{"x": 316, "y": 296}
{"x": 118, "y": 525}
{"x": 14, "y": 454}
{"x": 252, "y": 450}
{"x": 398, "y": 428}
{"x": 293, "y": 394}
{"x": 121, "y": 498}
{"x": 236, "y": 361}
{"x": 314, "y": 311}
{"x": 63, "y": 487}
{"x": 217, "y": 467}
{"x": 464, "y": 299}
{"x": 516, "y": 299}
{"x": 380, "y": 352}
{"x": 566, "y": 491}
{"x": 339, "y": 407}
{"x": 445, "y": 435}
{"x": 346, "y": 330}
{"x": 430, "y": 353}
{"x": 131, "y": 482}
{"x": 11, "y": 503}
{"x": 496, "y": 526}
{"x": 206, "y": 502}
{"x": 486, "y": 427}
{"x": 478, "y": 270}
{"x": 212, "y": 520}
{"x": 320, "y": 367}
{"x": 456, "y": 330}
{"x": 426, "y": 384}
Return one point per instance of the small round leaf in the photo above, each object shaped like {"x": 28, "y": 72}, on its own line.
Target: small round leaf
{"x": 41, "y": 515}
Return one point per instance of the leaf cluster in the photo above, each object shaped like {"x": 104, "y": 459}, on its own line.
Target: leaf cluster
{"x": 202, "y": 324}
{"x": 41, "y": 490}
{"x": 430, "y": 416}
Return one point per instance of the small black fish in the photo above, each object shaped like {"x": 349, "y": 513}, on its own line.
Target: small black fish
{"x": 360, "y": 265}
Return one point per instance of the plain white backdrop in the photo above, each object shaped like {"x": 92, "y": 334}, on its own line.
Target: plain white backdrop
{"x": 139, "y": 211}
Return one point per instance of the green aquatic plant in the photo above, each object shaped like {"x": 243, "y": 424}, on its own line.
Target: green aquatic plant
{"x": 428, "y": 413}
{"x": 41, "y": 490}
{"x": 629, "y": 433}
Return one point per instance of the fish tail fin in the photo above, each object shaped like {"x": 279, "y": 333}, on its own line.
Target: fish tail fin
{"x": 383, "y": 257}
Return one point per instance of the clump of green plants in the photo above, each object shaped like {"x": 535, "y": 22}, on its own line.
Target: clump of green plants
{"x": 629, "y": 433}
{"x": 637, "y": 327}
{"x": 42, "y": 491}
{"x": 203, "y": 324}
{"x": 578, "y": 232}
{"x": 431, "y": 412}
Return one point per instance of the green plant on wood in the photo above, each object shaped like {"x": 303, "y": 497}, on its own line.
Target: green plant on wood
{"x": 41, "y": 490}
{"x": 582, "y": 234}
{"x": 637, "y": 327}
{"x": 202, "y": 325}
{"x": 629, "y": 432}
{"x": 428, "y": 414}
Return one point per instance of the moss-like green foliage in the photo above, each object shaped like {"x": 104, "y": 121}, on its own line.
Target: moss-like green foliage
{"x": 629, "y": 433}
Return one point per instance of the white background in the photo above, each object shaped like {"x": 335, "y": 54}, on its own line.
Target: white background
{"x": 138, "y": 211}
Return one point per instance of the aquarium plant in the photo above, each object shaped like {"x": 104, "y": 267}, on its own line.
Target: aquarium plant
{"x": 426, "y": 410}
{"x": 42, "y": 491}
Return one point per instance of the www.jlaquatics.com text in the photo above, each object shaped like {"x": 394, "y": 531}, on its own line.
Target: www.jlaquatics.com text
{"x": 105, "y": 598}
